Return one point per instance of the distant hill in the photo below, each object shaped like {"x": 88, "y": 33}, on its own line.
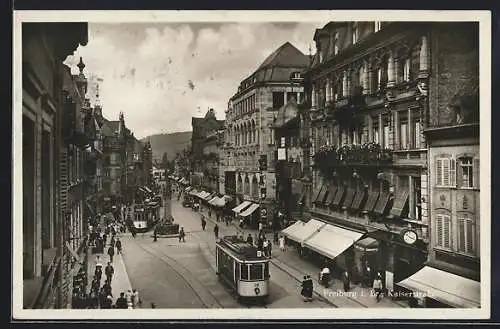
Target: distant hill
{"x": 170, "y": 143}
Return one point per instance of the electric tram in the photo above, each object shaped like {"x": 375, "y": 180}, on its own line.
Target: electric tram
{"x": 243, "y": 268}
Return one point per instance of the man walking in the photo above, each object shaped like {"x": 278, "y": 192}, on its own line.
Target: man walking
{"x": 109, "y": 272}
{"x": 111, "y": 253}
{"x": 216, "y": 231}
{"x": 203, "y": 222}
{"x": 118, "y": 244}
{"x": 182, "y": 235}
{"x": 121, "y": 302}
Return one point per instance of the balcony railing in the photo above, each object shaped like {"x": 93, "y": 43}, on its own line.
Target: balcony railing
{"x": 368, "y": 153}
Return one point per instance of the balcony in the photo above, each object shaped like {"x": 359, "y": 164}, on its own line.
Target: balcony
{"x": 369, "y": 154}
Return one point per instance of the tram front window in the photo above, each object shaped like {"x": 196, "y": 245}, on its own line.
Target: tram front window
{"x": 256, "y": 272}
{"x": 244, "y": 271}
{"x": 266, "y": 270}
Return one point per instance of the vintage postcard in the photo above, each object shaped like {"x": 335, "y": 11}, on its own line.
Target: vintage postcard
{"x": 251, "y": 165}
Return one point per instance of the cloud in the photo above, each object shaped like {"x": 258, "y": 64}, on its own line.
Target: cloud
{"x": 160, "y": 76}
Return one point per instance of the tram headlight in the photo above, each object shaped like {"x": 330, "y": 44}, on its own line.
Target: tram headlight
{"x": 257, "y": 291}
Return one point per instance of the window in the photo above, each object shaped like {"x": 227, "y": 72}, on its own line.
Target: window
{"x": 375, "y": 131}
{"x": 466, "y": 178}
{"x": 443, "y": 231}
{"x": 379, "y": 78}
{"x": 244, "y": 271}
{"x": 278, "y": 99}
{"x": 355, "y": 33}
{"x": 378, "y": 26}
{"x": 415, "y": 134}
{"x": 403, "y": 134}
{"x": 256, "y": 272}
{"x": 406, "y": 69}
{"x": 466, "y": 235}
{"x": 445, "y": 172}
{"x": 386, "y": 133}
{"x": 271, "y": 136}
{"x": 336, "y": 47}
{"x": 415, "y": 199}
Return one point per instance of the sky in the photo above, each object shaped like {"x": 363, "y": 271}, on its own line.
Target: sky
{"x": 161, "y": 75}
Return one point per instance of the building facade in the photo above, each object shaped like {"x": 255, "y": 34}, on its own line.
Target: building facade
{"x": 204, "y": 153}
{"x": 374, "y": 89}
{"x": 249, "y": 166}
{"x": 53, "y": 137}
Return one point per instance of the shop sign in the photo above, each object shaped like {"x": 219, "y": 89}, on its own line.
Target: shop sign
{"x": 409, "y": 236}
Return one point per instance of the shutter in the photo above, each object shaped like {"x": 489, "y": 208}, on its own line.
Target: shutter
{"x": 439, "y": 230}
{"x": 446, "y": 172}
{"x": 469, "y": 227}
{"x": 461, "y": 235}
{"x": 63, "y": 178}
{"x": 382, "y": 203}
{"x": 338, "y": 197}
{"x": 372, "y": 201}
{"x": 439, "y": 172}
{"x": 349, "y": 197}
{"x": 358, "y": 199}
{"x": 446, "y": 231}
{"x": 475, "y": 170}
{"x": 453, "y": 172}
{"x": 399, "y": 203}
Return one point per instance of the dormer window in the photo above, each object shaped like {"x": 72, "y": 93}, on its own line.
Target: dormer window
{"x": 377, "y": 27}
{"x": 355, "y": 33}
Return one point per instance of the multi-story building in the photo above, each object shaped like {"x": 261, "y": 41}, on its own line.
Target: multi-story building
{"x": 373, "y": 89}
{"x": 201, "y": 155}
{"x": 147, "y": 163}
{"x": 112, "y": 169}
{"x": 249, "y": 145}
{"x": 212, "y": 153}
{"x": 53, "y": 137}
{"x": 452, "y": 134}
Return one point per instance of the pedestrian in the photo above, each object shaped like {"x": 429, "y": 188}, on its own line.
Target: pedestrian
{"x": 118, "y": 246}
{"x": 203, "y": 222}
{"x": 121, "y": 302}
{"x": 111, "y": 253}
{"x": 309, "y": 288}
{"x": 109, "y": 272}
{"x": 346, "y": 280}
{"x": 216, "y": 231}
{"x": 269, "y": 248}
{"x": 249, "y": 239}
{"x": 128, "y": 297}
{"x": 265, "y": 246}
{"x": 368, "y": 275}
{"x": 182, "y": 235}
{"x": 108, "y": 302}
{"x": 241, "y": 223}
{"x": 136, "y": 301}
{"x": 210, "y": 213}
{"x": 261, "y": 227}
{"x": 303, "y": 291}
{"x": 377, "y": 286}
{"x": 98, "y": 272}
{"x": 260, "y": 242}
{"x": 107, "y": 288}
{"x": 282, "y": 243}
{"x": 324, "y": 276}
{"x": 227, "y": 220}
{"x": 276, "y": 238}
{"x": 104, "y": 238}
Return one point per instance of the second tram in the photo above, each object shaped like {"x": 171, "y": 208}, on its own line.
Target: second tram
{"x": 243, "y": 267}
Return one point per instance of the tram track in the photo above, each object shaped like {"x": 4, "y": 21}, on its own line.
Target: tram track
{"x": 183, "y": 272}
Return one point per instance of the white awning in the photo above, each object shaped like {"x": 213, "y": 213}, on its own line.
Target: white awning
{"x": 241, "y": 206}
{"x": 218, "y": 202}
{"x": 148, "y": 189}
{"x": 304, "y": 230}
{"x": 249, "y": 210}
{"x": 330, "y": 241}
{"x": 292, "y": 228}
{"x": 212, "y": 200}
{"x": 445, "y": 287}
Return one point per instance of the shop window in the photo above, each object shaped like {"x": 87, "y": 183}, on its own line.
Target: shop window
{"x": 443, "y": 231}
{"x": 278, "y": 99}
{"x": 466, "y": 235}
{"x": 445, "y": 172}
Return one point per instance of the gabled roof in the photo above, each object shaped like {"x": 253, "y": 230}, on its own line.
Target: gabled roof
{"x": 285, "y": 56}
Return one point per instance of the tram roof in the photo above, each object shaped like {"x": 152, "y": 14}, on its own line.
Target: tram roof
{"x": 240, "y": 248}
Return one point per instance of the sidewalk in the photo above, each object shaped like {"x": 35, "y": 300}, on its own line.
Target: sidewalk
{"x": 290, "y": 262}
{"x": 120, "y": 281}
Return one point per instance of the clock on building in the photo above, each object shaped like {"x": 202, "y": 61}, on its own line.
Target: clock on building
{"x": 410, "y": 237}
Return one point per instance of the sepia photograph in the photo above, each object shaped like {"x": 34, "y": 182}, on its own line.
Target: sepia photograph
{"x": 251, "y": 165}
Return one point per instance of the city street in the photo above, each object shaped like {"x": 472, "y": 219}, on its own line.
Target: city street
{"x": 182, "y": 275}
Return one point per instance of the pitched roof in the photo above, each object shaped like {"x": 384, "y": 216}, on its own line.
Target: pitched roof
{"x": 285, "y": 56}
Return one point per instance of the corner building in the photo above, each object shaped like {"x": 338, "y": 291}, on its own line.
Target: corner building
{"x": 373, "y": 89}
{"x": 249, "y": 169}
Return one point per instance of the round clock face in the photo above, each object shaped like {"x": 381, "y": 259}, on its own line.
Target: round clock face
{"x": 410, "y": 237}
